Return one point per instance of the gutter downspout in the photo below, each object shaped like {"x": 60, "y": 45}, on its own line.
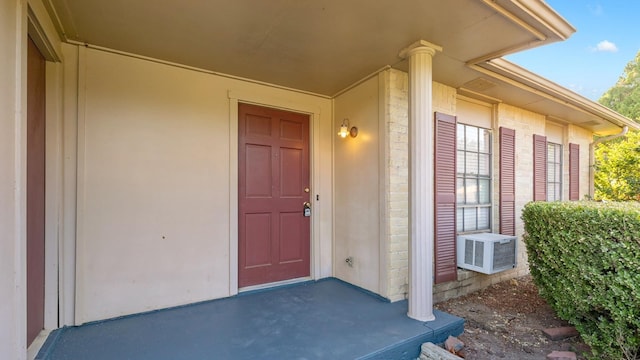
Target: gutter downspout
{"x": 625, "y": 130}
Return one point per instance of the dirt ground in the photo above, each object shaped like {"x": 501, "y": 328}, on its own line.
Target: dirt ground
{"x": 505, "y": 321}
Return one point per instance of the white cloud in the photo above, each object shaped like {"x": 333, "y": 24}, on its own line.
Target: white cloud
{"x": 596, "y": 10}
{"x": 606, "y": 46}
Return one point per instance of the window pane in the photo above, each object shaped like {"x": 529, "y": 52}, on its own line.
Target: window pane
{"x": 554, "y": 172}
{"x": 471, "y": 166}
{"x": 471, "y": 191}
{"x": 484, "y": 164}
{"x": 471, "y": 138}
{"x": 460, "y": 190}
{"x": 551, "y": 169}
{"x": 473, "y": 183}
{"x": 554, "y": 153}
{"x": 483, "y": 218}
{"x": 485, "y": 141}
{"x": 484, "y": 191}
{"x": 550, "y": 152}
{"x": 460, "y": 162}
{"x": 551, "y": 192}
{"x": 460, "y": 136}
{"x": 470, "y": 219}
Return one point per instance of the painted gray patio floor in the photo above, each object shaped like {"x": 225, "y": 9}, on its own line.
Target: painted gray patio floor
{"x": 328, "y": 319}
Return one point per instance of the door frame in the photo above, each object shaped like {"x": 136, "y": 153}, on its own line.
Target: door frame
{"x": 271, "y": 101}
{"x": 42, "y": 31}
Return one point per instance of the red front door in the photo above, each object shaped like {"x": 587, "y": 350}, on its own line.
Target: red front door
{"x": 273, "y": 176}
{"x": 35, "y": 190}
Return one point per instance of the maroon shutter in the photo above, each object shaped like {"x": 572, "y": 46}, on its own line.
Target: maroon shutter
{"x": 539, "y": 168}
{"x": 574, "y": 172}
{"x": 445, "y": 198}
{"x": 507, "y": 181}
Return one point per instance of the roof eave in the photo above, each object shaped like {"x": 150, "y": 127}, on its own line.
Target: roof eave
{"x": 501, "y": 68}
{"x": 547, "y": 16}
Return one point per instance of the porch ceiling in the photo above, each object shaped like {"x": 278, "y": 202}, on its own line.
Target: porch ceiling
{"x": 324, "y": 46}
{"x": 320, "y": 46}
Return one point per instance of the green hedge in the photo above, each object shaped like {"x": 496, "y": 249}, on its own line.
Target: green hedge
{"x": 585, "y": 259}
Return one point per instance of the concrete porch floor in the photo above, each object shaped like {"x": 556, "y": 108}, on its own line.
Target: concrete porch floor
{"x": 327, "y": 319}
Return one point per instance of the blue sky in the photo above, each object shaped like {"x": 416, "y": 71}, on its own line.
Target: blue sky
{"x": 593, "y": 58}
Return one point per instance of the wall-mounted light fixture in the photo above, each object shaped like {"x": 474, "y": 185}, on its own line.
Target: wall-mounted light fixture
{"x": 346, "y": 130}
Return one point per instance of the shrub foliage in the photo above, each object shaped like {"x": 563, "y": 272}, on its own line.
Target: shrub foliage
{"x": 585, "y": 259}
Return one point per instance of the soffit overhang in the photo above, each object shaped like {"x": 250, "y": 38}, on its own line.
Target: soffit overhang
{"x": 522, "y": 88}
{"x": 319, "y": 46}
{"x": 325, "y": 46}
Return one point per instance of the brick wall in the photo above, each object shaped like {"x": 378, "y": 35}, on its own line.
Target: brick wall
{"x": 396, "y": 206}
{"x": 396, "y": 149}
{"x": 397, "y": 172}
{"x": 526, "y": 124}
{"x": 582, "y": 137}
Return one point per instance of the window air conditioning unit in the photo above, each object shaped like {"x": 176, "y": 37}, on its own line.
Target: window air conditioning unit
{"x": 487, "y": 253}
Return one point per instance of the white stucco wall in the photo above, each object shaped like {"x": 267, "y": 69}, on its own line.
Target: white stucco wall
{"x": 68, "y": 206}
{"x": 157, "y": 170}
{"x": 372, "y": 182}
{"x": 357, "y": 187}
{"x": 12, "y": 180}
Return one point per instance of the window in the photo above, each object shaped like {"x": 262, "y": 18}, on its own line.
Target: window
{"x": 554, "y": 171}
{"x": 473, "y": 178}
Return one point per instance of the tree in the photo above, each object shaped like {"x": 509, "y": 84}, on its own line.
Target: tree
{"x": 624, "y": 96}
{"x": 617, "y": 175}
{"x": 617, "y": 163}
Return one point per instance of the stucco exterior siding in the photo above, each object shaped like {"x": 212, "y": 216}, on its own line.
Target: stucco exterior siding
{"x": 358, "y": 182}
{"x": 12, "y": 178}
{"x": 156, "y": 184}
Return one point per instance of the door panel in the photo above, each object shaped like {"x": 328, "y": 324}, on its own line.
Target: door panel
{"x": 35, "y": 190}
{"x": 258, "y": 240}
{"x": 258, "y": 171}
{"x": 290, "y": 233}
{"x": 291, "y": 164}
{"x": 273, "y": 172}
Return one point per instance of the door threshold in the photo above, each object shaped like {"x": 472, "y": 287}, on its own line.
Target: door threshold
{"x": 274, "y": 284}
{"x": 36, "y": 345}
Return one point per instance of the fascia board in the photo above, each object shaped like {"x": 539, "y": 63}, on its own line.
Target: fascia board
{"x": 547, "y": 16}
{"x": 505, "y": 70}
